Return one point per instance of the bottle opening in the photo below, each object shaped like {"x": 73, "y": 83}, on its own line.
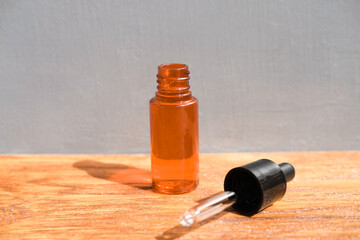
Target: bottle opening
{"x": 173, "y": 70}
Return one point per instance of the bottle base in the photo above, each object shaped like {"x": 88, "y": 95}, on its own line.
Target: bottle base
{"x": 174, "y": 186}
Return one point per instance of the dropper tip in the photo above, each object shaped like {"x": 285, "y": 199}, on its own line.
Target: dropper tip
{"x": 187, "y": 219}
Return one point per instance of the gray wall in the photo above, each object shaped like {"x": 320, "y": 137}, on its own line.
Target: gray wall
{"x": 76, "y": 76}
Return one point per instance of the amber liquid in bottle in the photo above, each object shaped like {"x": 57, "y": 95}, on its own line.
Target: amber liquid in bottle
{"x": 174, "y": 132}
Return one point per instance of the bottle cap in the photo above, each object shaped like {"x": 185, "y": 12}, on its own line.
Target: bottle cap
{"x": 258, "y": 184}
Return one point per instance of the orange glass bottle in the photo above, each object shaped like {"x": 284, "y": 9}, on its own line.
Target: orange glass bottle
{"x": 174, "y": 132}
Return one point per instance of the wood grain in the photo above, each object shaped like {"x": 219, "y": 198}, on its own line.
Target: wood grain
{"x": 109, "y": 197}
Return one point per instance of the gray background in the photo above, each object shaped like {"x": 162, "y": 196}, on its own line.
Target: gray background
{"x": 76, "y": 76}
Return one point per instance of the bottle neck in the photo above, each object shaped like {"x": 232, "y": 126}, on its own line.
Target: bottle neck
{"x": 173, "y": 83}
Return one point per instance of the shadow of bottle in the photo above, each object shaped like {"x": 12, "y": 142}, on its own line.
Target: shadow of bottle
{"x": 119, "y": 173}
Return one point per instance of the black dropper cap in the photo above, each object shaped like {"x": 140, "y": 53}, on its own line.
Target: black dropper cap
{"x": 257, "y": 185}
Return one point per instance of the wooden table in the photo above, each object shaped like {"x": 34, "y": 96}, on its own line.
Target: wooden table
{"x": 109, "y": 197}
